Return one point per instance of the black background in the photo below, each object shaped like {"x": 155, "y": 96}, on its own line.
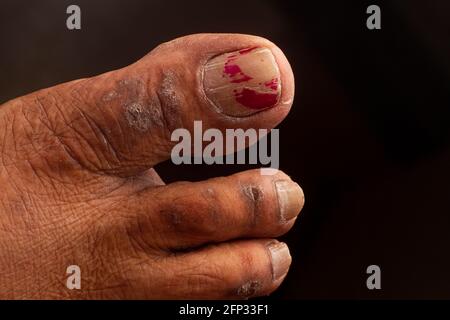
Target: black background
{"x": 368, "y": 137}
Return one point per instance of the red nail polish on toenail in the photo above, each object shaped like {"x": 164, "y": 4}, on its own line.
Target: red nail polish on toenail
{"x": 243, "y": 82}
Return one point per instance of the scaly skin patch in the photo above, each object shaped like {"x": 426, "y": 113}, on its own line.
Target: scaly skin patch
{"x": 170, "y": 101}
{"x": 253, "y": 196}
{"x": 249, "y": 289}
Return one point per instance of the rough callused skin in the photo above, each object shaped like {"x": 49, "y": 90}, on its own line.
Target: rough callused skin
{"x": 78, "y": 188}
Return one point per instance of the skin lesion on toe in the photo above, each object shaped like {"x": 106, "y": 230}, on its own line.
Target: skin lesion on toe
{"x": 253, "y": 196}
{"x": 249, "y": 289}
{"x": 170, "y": 100}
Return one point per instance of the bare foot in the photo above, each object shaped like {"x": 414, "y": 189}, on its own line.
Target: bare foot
{"x": 78, "y": 188}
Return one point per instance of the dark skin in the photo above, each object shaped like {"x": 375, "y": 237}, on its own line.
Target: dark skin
{"x": 78, "y": 187}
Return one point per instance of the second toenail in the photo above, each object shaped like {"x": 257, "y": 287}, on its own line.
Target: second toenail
{"x": 290, "y": 199}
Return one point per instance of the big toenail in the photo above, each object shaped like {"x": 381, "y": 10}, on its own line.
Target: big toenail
{"x": 243, "y": 82}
